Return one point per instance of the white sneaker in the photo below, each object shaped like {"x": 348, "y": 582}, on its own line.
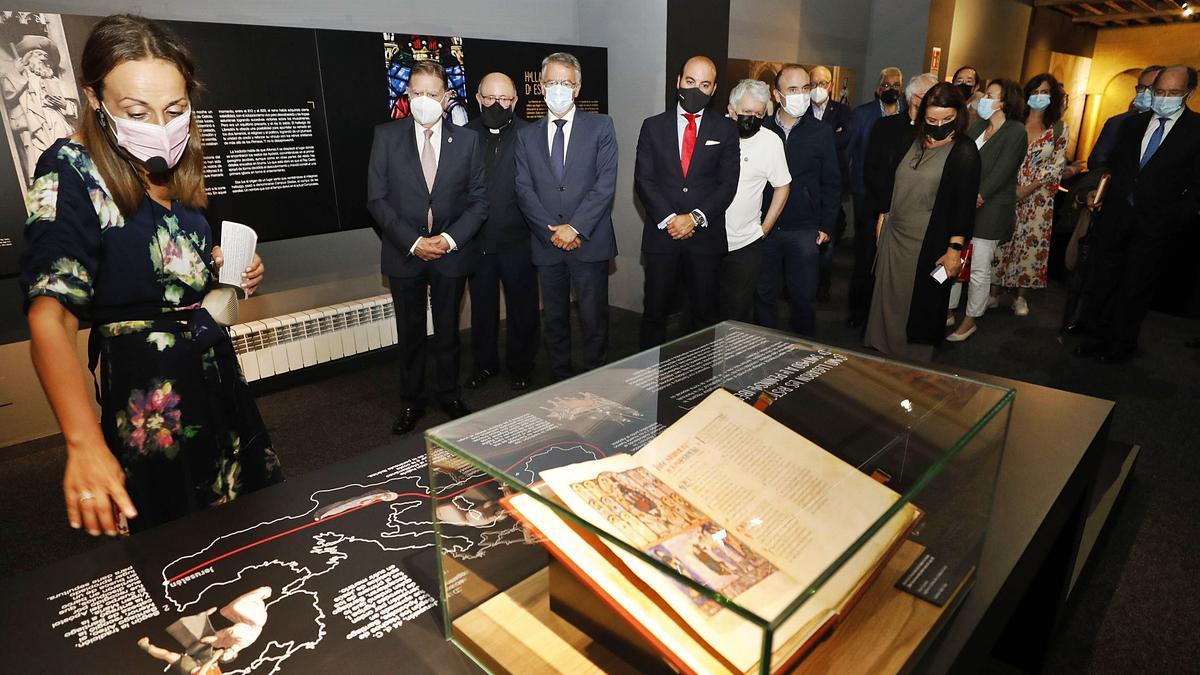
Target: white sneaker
{"x": 960, "y": 337}
{"x": 1020, "y": 307}
{"x": 993, "y": 301}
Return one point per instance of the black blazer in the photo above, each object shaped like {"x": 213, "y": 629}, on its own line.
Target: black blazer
{"x": 710, "y": 185}
{"x": 840, "y": 118}
{"x": 398, "y": 199}
{"x": 1167, "y": 190}
{"x": 890, "y": 139}
{"x": 505, "y": 228}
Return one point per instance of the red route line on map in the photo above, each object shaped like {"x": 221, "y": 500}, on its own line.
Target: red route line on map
{"x": 349, "y": 511}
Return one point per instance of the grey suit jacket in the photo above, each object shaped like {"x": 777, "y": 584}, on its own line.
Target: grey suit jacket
{"x": 1000, "y": 161}
{"x": 583, "y": 199}
{"x": 399, "y": 200}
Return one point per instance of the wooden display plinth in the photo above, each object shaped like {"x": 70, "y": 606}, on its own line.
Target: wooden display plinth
{"x": 516, "y": 632}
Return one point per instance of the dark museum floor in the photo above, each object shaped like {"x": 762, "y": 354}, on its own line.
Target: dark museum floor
{"x": 1135, "y": 608}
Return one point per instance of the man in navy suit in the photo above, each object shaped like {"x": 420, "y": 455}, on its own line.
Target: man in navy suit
{"x": 425, "y": 189}
{"x": 686, "y": 175}
{"x": 502, "y": 245}
{"x": 887, "y": 102}
{"x": 1107, "y": 141}
{"x": 1151, "y": 201}
{"x": 839, "y": 117}
{"x": 791, "y": 250}
{"x": 566, "y": 181}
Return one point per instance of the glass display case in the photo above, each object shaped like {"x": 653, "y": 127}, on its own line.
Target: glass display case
{"x": 737, "y": 500}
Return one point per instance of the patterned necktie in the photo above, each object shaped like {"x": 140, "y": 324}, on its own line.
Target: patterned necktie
{"x": 689, "y": 143}
{"x": 429, "y": 168}
{"x": 1155, "y": 141}
{"x": 558, "y": 151}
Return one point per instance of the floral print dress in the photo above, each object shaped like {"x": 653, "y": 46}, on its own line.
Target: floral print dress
{"x": 175, "y": 410}
{"x": 1021, "y": 261}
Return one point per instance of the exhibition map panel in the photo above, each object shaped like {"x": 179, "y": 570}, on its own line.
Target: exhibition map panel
{"x": 719, "y": 504}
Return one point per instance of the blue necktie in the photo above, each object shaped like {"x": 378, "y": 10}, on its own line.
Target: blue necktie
{"x": 1155, "y": 141}
{"x": 558, "y": 151}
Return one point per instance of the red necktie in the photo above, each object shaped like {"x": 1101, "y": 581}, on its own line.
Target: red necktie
{"x": 689, "y": 143}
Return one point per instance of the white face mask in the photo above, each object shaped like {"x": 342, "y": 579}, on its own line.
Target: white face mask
{"x": 796, "y": 104}
{"x": 559, "y": 98}
{"x": 819, "y": 95}
{"x": 425, "y": 110}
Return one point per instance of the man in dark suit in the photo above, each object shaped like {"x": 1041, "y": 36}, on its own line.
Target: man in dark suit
{"x": 791, "y": 250}
{"x": 888, "y": 101}
{"x": 566, "y": 181}
{"x": 1152, "y": 197}
{"x": 686, "y": 175}
{"x": 1107, "y": 141}
{"x": 426, "y": 191}
{"x": 839, "y": 117}
{"x": 502, "y": 251}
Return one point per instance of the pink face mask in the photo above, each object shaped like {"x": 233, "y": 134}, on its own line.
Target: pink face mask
{"x": 146, "y": 141}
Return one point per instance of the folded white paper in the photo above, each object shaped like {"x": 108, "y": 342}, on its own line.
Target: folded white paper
{"x": 237, "y": 245}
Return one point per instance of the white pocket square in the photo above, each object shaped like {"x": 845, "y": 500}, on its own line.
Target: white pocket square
{"x": 712, "y": 142}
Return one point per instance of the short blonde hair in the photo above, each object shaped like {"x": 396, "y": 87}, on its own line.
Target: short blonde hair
{"x": 891, "y": 71}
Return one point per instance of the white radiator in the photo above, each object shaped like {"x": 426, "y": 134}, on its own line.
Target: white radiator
{"x": 282, "y": 344}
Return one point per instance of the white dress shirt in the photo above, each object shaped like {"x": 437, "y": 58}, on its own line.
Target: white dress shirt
{"x": 551, "y": 127}
{"x": 681, "y": 123}
{"x": 436, "y": 140}
{"x": 1171, "y": 120}
{"x": 819, "y": 110}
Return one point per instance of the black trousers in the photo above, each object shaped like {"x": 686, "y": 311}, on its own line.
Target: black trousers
{"x": 862, "y": 279}
{"x": 444, "y": 297}
{"x": 828, "y": 249}
{"x": 590, "y": 283}
{"x": 516, "y": 271}
{"x": 739, "y": 276}
{"x": 1127, "y": 257}
{"x": 666, "y": 273}
{"x": 791, "y": 258}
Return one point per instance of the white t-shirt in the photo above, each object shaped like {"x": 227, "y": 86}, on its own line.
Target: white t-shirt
{"x": 762, "y": 160}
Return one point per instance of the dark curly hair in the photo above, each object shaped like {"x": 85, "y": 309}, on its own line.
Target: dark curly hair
{"x": 1054, "y": 113}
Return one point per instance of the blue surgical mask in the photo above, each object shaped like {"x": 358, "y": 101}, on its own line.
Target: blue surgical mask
{"x": 1142, "y": 100}
{"x": 559, "y": 98}
{"x": 1165, "y": 106}
{"x": 986, "y": 107}
{"x": 1039, "y": 101}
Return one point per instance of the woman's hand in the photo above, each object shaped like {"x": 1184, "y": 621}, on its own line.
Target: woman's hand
{"x": 94, "y": 489}
{"x": 978, "y": 201}
{"x": 252, "y": 276}
{"x": 218, "y": 257}
{"x": 952, "y": 261}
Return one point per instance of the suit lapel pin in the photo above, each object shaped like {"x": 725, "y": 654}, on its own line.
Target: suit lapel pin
{"x": 449, "y": 139}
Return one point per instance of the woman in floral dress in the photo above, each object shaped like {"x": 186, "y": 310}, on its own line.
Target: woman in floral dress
{"x": 1021, "y": 262}
{"x": 130, "y": 251}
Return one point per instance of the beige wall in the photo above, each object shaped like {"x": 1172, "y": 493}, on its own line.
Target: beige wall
{"x": 990, "y": 35}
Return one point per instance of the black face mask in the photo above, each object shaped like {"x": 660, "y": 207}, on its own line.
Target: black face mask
{"x": 748, "y": 125}
{"x": 966, "y": 90}
{"x": 692, "y": 100}
{"x": 889, "y": 96}
{"x": 941, "y": 133}
{"x": 495, "y": 115}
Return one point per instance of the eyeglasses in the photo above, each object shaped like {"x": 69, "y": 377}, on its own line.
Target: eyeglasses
{"x": 887, "y": 85}
{"x": 504, "y": 100}
{"x": 1143, "y": 87}
{"x": 566, "y": 83}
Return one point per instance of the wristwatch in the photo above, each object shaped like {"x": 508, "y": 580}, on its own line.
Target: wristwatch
{"x": 956, "y": 246}
{"x": 698, "y": 216}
